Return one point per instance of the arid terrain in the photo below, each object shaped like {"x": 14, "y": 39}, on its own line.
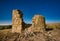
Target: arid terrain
{"x": 52, "y": 33}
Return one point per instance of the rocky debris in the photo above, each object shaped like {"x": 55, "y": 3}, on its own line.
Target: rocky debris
{"x": 35, "y": 36}
{"x": 23, "y": 37}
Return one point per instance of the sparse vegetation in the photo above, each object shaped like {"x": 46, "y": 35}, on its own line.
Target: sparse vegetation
{"x": 53, "y": 26}
{"x": 5, "y": 27}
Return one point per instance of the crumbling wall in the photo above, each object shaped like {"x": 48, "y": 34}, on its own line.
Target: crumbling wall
{"x": 17, "y": 21}
{"x": 38, "y": 23}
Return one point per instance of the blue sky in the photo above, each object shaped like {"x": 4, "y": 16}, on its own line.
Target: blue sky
{"x": 50, "y": 9}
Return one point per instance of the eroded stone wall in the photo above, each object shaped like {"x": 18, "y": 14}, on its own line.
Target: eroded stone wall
{"x": 38, "y": 23}
{"x": 17, "y": 21}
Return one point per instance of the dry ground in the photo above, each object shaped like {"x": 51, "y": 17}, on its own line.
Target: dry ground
{"x": 53, "y": 35}
{"x": 48, "y": 35}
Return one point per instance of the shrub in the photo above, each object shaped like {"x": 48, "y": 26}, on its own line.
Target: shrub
{"x": 1, "y": 28}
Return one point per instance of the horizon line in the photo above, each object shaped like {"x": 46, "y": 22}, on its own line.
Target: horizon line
{"x": 1, "y": 24}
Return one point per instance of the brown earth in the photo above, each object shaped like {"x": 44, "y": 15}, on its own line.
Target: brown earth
{"x": 52, "y": 35}
{"x": 48, "y": 35}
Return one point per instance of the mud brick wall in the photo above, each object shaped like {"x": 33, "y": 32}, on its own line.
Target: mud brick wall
{"x": 17, "y": 21}
{"x": 38, "y": 23}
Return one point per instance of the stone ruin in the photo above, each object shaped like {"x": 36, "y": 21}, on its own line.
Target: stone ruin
{"x": 17, "y": 21}
{"x": 38, "y": 23}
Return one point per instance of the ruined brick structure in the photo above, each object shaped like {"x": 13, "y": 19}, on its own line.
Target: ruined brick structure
{"x": 17, "y": 21}
{"x": 38, "y": 23}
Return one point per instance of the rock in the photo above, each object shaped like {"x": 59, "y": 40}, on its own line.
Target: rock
{"x": 38, "y": 23}
{"x": 17, "y": 21}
